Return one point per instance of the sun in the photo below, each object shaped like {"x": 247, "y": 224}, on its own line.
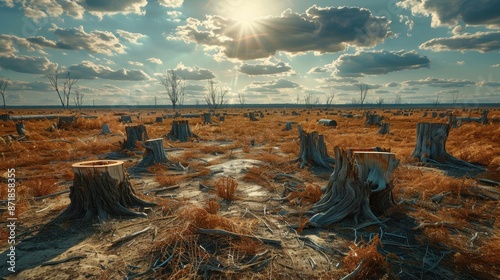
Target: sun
{"x": 246, "y": 11}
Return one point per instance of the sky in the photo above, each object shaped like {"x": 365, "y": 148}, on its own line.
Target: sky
{"x": 280, "y": 51}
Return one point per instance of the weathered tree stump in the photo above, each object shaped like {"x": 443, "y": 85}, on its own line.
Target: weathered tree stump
{"x": 125, "y": 119}
{"x": 430, "y": 147}
{"x": 20, "y": 128}
{"x": 384, "y": 129}
{"x": 425, "y": 114}
{"x": 434, "y": 114}
{"x": 155, "y": 153}
{"x": 373, "y": 119}
{"x": 66, "y": 121}
{"x": 288, "y": 126}
{"x": 159, "y": 119}
{"x": 222, "y": 118}
{"x": 101, "y": 190}
{"x": 261, "y": 115}
{"x": 360, "y": 184}
{"x": 454, "y": 121}
{"x": 252, "y": 116}
{"x": 105, "y": 129}
{"x": 134, "y": 134}
{"x": 313, "y": 150}
{"x": 207, "y": 118}
{"x": 328, "y": 122}
{"x": 180, "y": 131}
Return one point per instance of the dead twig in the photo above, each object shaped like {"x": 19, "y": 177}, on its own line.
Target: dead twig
{"x": 264, "y": 222}
{"x": 74, "y": 258}
{"x": 162, "y": 189}
{"x": 354, "y": 272}
{"x": 236, "y": 235}
{"x": 436, "y": 224}
{"x": 130, "y": 236}
{"x": 51, "y": 195}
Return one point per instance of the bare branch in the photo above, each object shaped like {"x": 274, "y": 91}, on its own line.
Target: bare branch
{"x": 215, "y": 96}
{"x": 329, "y": 100}
{"x": 175, "y": 87}
{"x": 53, "y": 79}
{"x": 3, "y": 86}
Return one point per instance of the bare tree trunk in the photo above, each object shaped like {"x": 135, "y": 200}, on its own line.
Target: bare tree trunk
{"x": 360, "y": 183}
{"x": 180, "y": 131}
{"x": 155, "y": 153}
{"x": 288, "y": 126}
{"x": 313, "y": 150}
{"x": 134, "y": 134}
{"x": 20, "y": 128}
{"x": 101, "y": 190}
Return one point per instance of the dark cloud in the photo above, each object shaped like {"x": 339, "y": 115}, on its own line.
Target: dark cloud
{"x": 480, "y": 41}
{"x": 391, "y": 84}
{"x": 265, "y": 69}
{"x": 450, "y": 12}
{"x": 271, "y": 86}
{"x": 90, "y": 70}
{"x": 322, "y": 30}
{"x": 378, "y": 62}
{"x": 193, "y": 73}
{"x": 318, "y": 70}
{"x": 438, "y": 82}
{"x": 103, "y": 7}
{"x": 27, "y": 64}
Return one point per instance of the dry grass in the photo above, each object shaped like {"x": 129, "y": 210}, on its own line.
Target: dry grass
{"x": 226, "y": 188}
{"x": 309, "y": 195}
{"x": 212, "y": 206}
{"x": 374, "y": 263}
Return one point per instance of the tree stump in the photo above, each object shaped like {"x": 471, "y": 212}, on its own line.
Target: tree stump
{"x": 155, "y": 153}
{"x": 66, "y": 121}
{"x": 252, "y": 116}
{"x": 105, "y": 129}
{"x": 20, "y": 128}
{"x": 159, "y": 119}
{"x": 360, "y": 184}
{"x": 434, "y": 115}
{"x": 384, "y": 129}
{"x": 180, "y": 131}
{"x": 373, "y": 119}
{"x": 222, "y": 118}
{"x": 101, "y": 190}
{"x": 288, "y": 126}
{"x": 328, "y": 122}
{"x": 134, "y": 134}
{"x": 207, "y": 118}
{"x": 125, "y": 119}
{"x": 313, "y": 150}
{"x": 425, "y": 114}
{"x": 430, "y": 147}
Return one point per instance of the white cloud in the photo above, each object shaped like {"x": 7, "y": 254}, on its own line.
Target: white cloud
{"x": 130, "y": 36}
{"x": 155, "y": 60}
{"x": 90, "y": 70}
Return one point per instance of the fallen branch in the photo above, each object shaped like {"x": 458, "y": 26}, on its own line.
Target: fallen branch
{"x": 268, "y": 227}
{"x": 130, "y": 236}
{"x": 162, "y": 189}
{"x": 354, "y": 272}
{"x": 65, "y": 260}
{"x": 236, "y": 235}
{"x": 51, "y": 195}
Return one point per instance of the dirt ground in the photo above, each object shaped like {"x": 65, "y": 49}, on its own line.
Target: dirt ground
{"x": 443, "y": 225}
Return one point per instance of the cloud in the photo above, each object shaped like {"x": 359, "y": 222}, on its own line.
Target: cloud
{"x": 136, "y": 63}
{"x": 155, "y": 60}
{"x": 171, "y": 3}
{"x": 438, "y": 82}
{"x": 90, "y": 70}
{"x": 129, "y": 36}
{"x": 36, "y": 85}
{"x": 36, "y": 10}
{"x": 391, "y": 84}
{"x": 27, "y": 64}
{"x": 318, "y": 70}
{"x": 265, "y": 69}
{"x": 110, "y": 7}
{"x": 192, "y": 87}
{"x": 321, "y": 30}
{"x": 378, "y": 62}
{"x": 445, "y": 91}
{"x": 496, "y": 65}
{"x": 450, "y": 12}
{"x": 95, "y": 41}
{"x": 271, "y": 86}
{"x": 10, "y": 44}
{"x": 193, "y": 73}
{"x": 480, "y": 41}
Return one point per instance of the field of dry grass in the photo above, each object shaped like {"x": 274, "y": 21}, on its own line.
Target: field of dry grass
{"x": 443, "y": 227}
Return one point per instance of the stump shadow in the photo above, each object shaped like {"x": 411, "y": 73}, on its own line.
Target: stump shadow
{"x": 50, "y": 241}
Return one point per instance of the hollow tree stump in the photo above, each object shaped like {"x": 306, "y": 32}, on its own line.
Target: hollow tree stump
{"x": 384, "y": 129}
{"x": 313, "y": 150}
{"x": 134, "y": 134}
{"x": 360, "y": 184}
{"x": 180, "y": 131}
{"x": 101, "y": 190}
{"x": 430, "y": 147}
{"x": 155, "y": 153}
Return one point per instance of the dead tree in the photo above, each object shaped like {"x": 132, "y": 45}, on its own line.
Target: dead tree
{"x": 67, "y": 85}
{"x": 360, "y": 184}
{"x": 180, "y": 131}
{"x": 482, "y": 120}
{"x": 155, "y": 153}
{"x": 430, "y": 147}
{"x": 101, "y": 190}
{"x": 215, "y": 97}
{"x": 174, "y": 85}
{"x": 313, "y": 150}
{"x": 3, "y": 86}
{"x": 134, "y": 134}
{"x": 384, "y": 129}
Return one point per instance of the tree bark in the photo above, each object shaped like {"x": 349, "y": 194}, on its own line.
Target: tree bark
{"x": 313, "y": 150}
{"x": 180, "y": 131}
{"x": 155, "y": 153}
{"x": 20, "y": 128}
{"x": 134, "y": 134}
{"x": 360, "y": 184}
{"x": 101, "y": 190}
{"x": 207, "y": 118}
